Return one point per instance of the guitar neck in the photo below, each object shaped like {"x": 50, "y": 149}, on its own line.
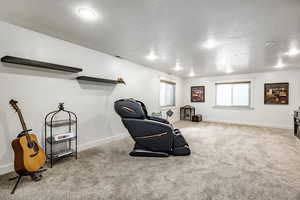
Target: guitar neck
{"x": 22, "y": 120}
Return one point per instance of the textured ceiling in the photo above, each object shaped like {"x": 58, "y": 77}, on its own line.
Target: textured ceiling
{"x": 174, "y": 29}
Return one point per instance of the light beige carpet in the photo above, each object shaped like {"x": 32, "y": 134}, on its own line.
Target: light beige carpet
{"x": 227, "y": 162}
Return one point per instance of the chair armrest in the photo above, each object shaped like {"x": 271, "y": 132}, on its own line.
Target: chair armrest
{"x": 141, "y": 128}
{"x": 158, "y": 119}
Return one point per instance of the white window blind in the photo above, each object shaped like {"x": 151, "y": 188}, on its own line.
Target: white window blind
{"x": 236, "y": 94}
{"x": 167, "y": 93}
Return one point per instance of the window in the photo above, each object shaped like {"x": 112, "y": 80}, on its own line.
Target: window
{"x": 236, "y": 94}
{"x": 167, "y": 93}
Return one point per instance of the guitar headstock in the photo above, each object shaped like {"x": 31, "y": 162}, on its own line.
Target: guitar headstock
{"x": 14, "y": 105}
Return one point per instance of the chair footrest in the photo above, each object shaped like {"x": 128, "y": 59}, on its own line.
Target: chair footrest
{"x": 182, "y": 151}
{"x": 146, "y": 153}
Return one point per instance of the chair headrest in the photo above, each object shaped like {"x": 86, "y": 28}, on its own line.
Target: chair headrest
{"x": 130, "y": 108}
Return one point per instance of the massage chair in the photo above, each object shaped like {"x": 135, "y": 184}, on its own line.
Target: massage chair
{"x": 153, "y": 136}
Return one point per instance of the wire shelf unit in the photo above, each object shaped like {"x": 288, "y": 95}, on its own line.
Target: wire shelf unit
{"x": 52, "y": 139}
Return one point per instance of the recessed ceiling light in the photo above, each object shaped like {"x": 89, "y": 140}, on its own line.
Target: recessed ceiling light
{"x": 292, "y": 52}
{"x": 210, "y": 44}
{"x": 152, "y": 56}
{"x": 87, "y": 13}
{"x": 279, "y": 64}
{"x": 178, "y": 67}
{"x": 192, "y": 73}
{"x": 228, "y": 71}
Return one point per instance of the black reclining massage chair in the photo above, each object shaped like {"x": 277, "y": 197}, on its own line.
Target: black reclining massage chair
{"x": 153, "y": 136}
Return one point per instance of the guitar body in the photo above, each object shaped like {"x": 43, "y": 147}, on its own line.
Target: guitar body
{"x": 28, "y": 159}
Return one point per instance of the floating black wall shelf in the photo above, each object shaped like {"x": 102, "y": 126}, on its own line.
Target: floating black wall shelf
{"x": 100, "y": 80}
{"x": 39, "y": 64}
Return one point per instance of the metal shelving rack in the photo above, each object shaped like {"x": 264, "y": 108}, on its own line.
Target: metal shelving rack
{"x": 50, "y": 142}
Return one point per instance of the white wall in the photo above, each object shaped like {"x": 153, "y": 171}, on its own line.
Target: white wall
{"x": 39, "y": 92}
{"x": 263, "y": 115}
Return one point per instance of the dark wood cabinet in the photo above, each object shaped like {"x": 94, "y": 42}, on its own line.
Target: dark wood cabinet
{"x": 186, "y": 112}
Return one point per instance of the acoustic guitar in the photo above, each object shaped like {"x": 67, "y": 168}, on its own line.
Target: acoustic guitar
{"x": 29, "y": 155}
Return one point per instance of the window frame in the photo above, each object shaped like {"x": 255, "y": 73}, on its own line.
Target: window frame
{"x": 171, "y": 83}
{"x": 249, "y": 106}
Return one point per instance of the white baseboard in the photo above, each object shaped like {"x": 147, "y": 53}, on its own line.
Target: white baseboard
{"x": 102, "y": 141}
{"x": 4, "y": 169}
{"x": 250, "y": 124}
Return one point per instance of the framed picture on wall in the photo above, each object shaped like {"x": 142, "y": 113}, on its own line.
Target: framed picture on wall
{"x": 277, "y": 93}
{"x": 198, "y": 94}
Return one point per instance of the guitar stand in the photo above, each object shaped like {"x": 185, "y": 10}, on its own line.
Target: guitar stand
{"x": 35, "y": 176}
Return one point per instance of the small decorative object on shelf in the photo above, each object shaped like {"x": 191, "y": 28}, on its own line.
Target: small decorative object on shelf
{"x": 58, "y": 143}
{"x": 120, "y": 80}
{"x": 186, "y": 112}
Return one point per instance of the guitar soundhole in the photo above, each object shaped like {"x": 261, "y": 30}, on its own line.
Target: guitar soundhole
{"x": 34, "y": 146}
{"x": 30, "y": 144}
